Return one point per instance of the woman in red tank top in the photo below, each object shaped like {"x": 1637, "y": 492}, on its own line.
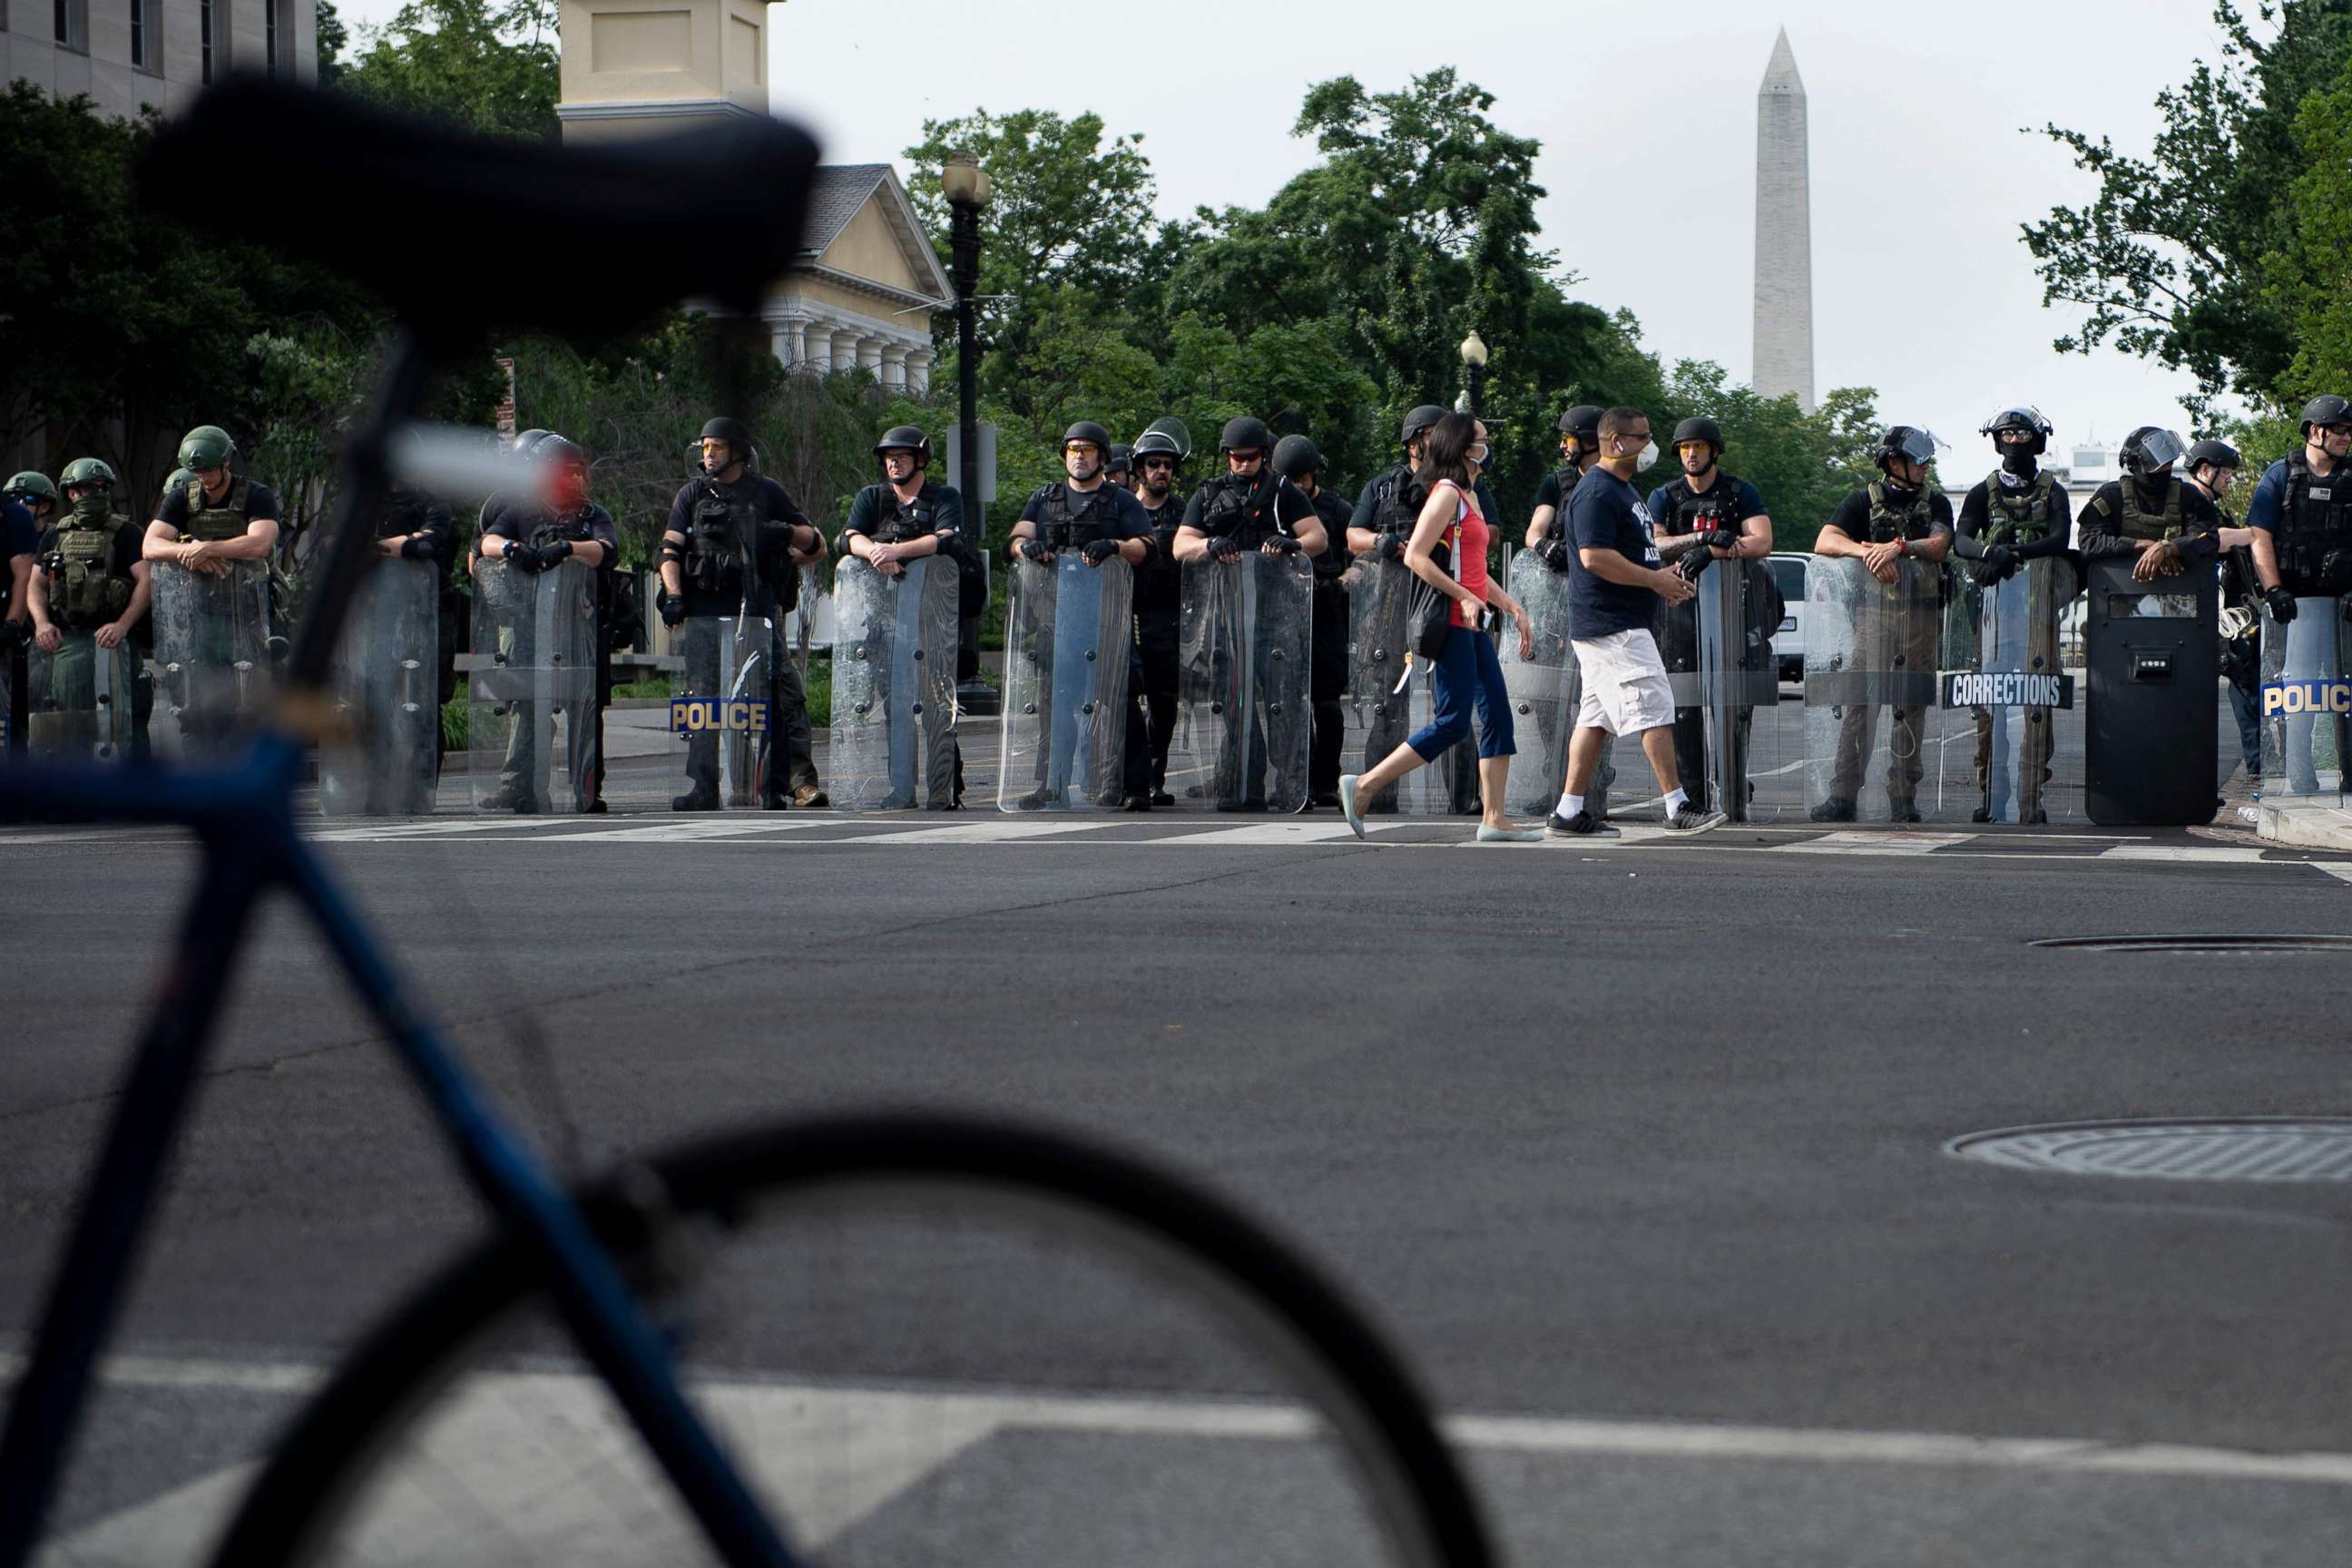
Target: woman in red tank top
{"x": 1467, "y": 674}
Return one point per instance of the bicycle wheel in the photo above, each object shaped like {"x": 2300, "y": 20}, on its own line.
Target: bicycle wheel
{"x": 924, "y": 1340}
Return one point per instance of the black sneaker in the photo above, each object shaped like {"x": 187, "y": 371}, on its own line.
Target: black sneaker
{"x": 1903, "y": 811}
{"x": 1162, "y": 797}
{"x": 1835, "y": 811}
{"x": 1583, "y": 825}
{"x": 1982, "y": 814}
{"x": 1690, "y": 819}
{"x": 1038, "y": 800}
{"x": 695, "y": 800}
{"x": 1136, "y": 803}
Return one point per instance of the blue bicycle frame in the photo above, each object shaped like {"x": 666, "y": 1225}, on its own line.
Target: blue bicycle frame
{"x": 242, "y": 812}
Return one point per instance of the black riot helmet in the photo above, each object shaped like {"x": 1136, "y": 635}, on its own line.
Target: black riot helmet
{"x": 1087, "y": 430}
{"x": 2150, "y": 450}
{"x": 1156, "y": 443}
{"x": 1700, "y": 428}
{"x": 1909, "y": 442}
{"x": 1122, "y": 457}
{"x": 906, "y": 438}
{"x": 528, "y": 439}
{"x": 738, "y": 439}
{"x": 1583, "y": 422}
{"x": 1296, "y": 454}
{"x": 2212, "y": 454}
{"x": 2021, "y": 416}
{"x": 1244, "y": 434}
{"x": 1418, "y": 423}
{"x": 2324, "y": 411}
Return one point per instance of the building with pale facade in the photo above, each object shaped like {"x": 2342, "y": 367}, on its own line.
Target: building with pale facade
{"x": 126, "y": 55}
{"x": 868, "y": 282}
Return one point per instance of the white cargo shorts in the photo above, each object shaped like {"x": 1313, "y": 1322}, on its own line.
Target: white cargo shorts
{"x": 1626, "y": 687}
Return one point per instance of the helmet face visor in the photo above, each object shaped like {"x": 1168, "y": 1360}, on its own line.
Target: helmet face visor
{"x": 1913, "y": 445}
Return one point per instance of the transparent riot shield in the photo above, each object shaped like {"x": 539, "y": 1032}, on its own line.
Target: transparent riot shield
{"x": 2011, "y": 691}
{"x": 1388, "y": 697}
{"x": 78, "y": 700}
{"x": 1064, "y": 730}
{"x": 1543, "y": 688}
{"x": 531, "y": 704}
{"x": 215, "y": 654}
{"x": 894, "y": 659}
{"x": 1728, "y": 699}
{"x": 387, "y": 686}
{"x": 1871, "y": 652}
{"x": 2306, "y": 692}
{"x": 1244, "y": 727}
{"x": 725, "y": 713}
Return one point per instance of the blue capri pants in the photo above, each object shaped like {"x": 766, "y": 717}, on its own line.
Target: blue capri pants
{"x": 1466, "y": 673}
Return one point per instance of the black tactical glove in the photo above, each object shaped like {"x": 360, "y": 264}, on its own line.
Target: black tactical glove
{"x": 670, "y": 607}
{"x": 1723, "y": 538}
{"x": 2281, "y": 602}
{"x": 1227, "y": 548}
{"x": 522, "y": 557}
{"x": 1098, "y": 551}
{"x": 1552, "y": 550}
{"x": 1390, "y": 547}
{"x": 1996, "y": 563}
{"x": 412, "y": 548}
{"x": 553, "y": 552}
{"x": 1034, "y": 549}
{"x": 1284, "y": 544}
{"x": 1691, "y": 563}
{"x": 13, "y": 632}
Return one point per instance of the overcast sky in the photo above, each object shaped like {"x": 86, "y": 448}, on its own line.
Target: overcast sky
{"x": 1921, "y": 288}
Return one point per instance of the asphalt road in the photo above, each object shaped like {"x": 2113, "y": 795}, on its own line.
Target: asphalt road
{"x": 1641, "y": 1143}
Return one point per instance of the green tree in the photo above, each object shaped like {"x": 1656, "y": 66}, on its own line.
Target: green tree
{"x": 333, "y": 36}
{"x": 2309, "y": 278}
{"x": 2169, "y": 256}
{"x": 487, "y": 65}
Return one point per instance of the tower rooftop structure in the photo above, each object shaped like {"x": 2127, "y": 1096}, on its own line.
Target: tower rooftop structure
{"x": 1784, "y": 246}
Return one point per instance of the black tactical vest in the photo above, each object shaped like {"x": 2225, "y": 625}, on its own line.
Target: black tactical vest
{"x": 1159, "y": 581}
{"x": 1915, "y": 518}
{"x": 1695, "y": 511}
{"x": 2315, "y": 532}
{"x": 1247, "y": 510}
{"x": 1398, "y": 497}
{"x": 897, "y": 522}
{"x": 1332, "y": 564}
{"x": 1063, "y": 525}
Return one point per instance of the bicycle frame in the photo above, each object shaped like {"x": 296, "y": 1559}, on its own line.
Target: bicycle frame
{"x": 242, "y": 813}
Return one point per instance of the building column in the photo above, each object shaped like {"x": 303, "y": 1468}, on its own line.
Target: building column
{"x": 789, "y": 339}
{"x": 870, "y": 356}
{"x": 918, "y": 370}
{"x": 893, "y": 366}
{"x": 845, "y": 350}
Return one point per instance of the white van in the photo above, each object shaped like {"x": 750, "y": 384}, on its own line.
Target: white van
{"x": 1789, "y": 641}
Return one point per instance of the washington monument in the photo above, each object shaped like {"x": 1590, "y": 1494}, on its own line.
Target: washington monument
{"x": 1784, "y": 229}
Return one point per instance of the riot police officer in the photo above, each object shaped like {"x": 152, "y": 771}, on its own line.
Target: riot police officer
{"x": 2013, "y": 516}
{"x": 907, "y": 517}
{"x": 1120, "y": 469}
{"x": 88, "y": 582}
{"x": 1580, "y": 448}
{"x": 1157, "y": 459}
{"x": 218, "y": 517}
{"x": 2151, "y": 512}
{"x": 222, "y": 634}
{"x": 2301, "y": 524}
{"x": 1297, "y": 460}
{"x": 541, "y": 535}
{"x": 1899, "y": 516}
{"x": 1708, "y": 515}
{"x": 2213, "y": 467}
{"x": 28, "y": 497}
{"x": 1086, "y": 512}
{"x": 734, "y": 547}
{"x": 416, "y": 526}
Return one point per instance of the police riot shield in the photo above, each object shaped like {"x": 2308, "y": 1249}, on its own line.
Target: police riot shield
{"x": 2304, "y": 696}
{"x": 1388, "y": 699}
{"x": 724, "y": 714}
{"x": 77, "y": 699}
{"x": 1727, "y": 696}
{"x": 383, "y": 760}
{"x": 2151, "y": 669}
{"x": 1871, "y": 652}
{"x": 2006, "y": 695}
{"x": 1244, "y": 726}
{"x": 531, "y": 702}
{"x": 1545, "y": 687}
{"x": 1064, "y": 730}
{"x": 215, "y": 654}
{"x": 893, "y": 659}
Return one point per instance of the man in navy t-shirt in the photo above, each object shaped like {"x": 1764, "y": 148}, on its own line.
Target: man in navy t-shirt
{"x": 1616, "y": 586}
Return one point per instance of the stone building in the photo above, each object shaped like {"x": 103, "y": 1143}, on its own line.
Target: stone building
{"x": 129, "y": 55}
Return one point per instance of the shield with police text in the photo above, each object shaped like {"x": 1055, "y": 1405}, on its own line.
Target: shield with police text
{"x": 894, "y": 688}
{"x": 532, "y": 693}
{"x": 1244, "y": 726}
{"x": 1544, "y": 686}
{"x": 723, "y": 713}
{"x": 2305, "y": 698}
{"x": 1726, "y": 694}
{"x": 1388, "y": 696}
{"x": 216, "y": 654}
{"x": 1066, "y": 633}
{"x": 2013, "y": 700}
{"x": 1871, "y": 649}
{"x": 77, "y": 699}
{"x": 382, "y": 758}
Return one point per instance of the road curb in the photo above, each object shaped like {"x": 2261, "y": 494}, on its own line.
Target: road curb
{"x": 2304, "y": 827}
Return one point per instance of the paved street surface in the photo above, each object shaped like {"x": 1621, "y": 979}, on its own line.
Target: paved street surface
{"x": 1638, "y": 1148}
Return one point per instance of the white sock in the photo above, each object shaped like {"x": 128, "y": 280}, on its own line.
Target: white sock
{"x": 1569, "y": 805}
{"x": 1675, "y": 800}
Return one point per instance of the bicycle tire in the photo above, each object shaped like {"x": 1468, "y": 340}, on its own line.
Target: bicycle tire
{"x": 1373, "y": 1403}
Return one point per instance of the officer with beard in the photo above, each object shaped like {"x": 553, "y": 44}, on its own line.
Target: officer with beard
{"x": 1580, "y": 448}
{"x": 541, "y": 535}
{"x": 1712, "y": 512}
{"x": 734, "y": 546}
{"x": 1297, "y": 460}
{"x": 1156, "y": 457}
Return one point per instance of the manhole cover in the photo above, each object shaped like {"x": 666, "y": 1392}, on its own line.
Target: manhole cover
{"x": 2233, "y": 942}
{"x": 2242, "y": 1149}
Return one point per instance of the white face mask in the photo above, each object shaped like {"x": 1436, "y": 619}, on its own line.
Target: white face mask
{"x": 1647, "y": 461}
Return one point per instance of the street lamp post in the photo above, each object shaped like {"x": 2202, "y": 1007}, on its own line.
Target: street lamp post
{"x": 966, "y": 187}
{"x": 1474, "y": 371}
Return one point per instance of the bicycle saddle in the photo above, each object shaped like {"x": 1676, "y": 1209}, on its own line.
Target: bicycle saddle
{"x": 459, "y": 233}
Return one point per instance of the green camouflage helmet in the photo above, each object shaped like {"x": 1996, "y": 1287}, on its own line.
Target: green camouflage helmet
{"x": 30, "y": 485}
{"x": 205, "y": 447}
{"x": 88, "y": 472}
{"x": 180, "y": 481}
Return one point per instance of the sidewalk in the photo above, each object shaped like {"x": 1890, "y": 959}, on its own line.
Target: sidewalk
{"x": 2307, "y": 822}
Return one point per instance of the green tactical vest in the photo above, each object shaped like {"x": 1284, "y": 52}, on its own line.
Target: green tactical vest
{"x": 1887, "y": 523}
{"x": 2019, "y": 517}
{"x": 2165, "y": 525}
{"x": 213, "y": 523}
{"x": 84, "y": 593}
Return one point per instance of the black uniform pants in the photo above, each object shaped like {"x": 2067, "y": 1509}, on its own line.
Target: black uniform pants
{"x": 1156, "y": 637}
{"x": 1329, "y": 683}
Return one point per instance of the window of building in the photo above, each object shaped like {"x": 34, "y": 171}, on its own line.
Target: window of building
{"x": 270, "y": 32}
{"x": 147, "y": 35}
{"x": 2090, "y": 458}
{"x": 205, "y": 41}
{"x": 72, "y": 25}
